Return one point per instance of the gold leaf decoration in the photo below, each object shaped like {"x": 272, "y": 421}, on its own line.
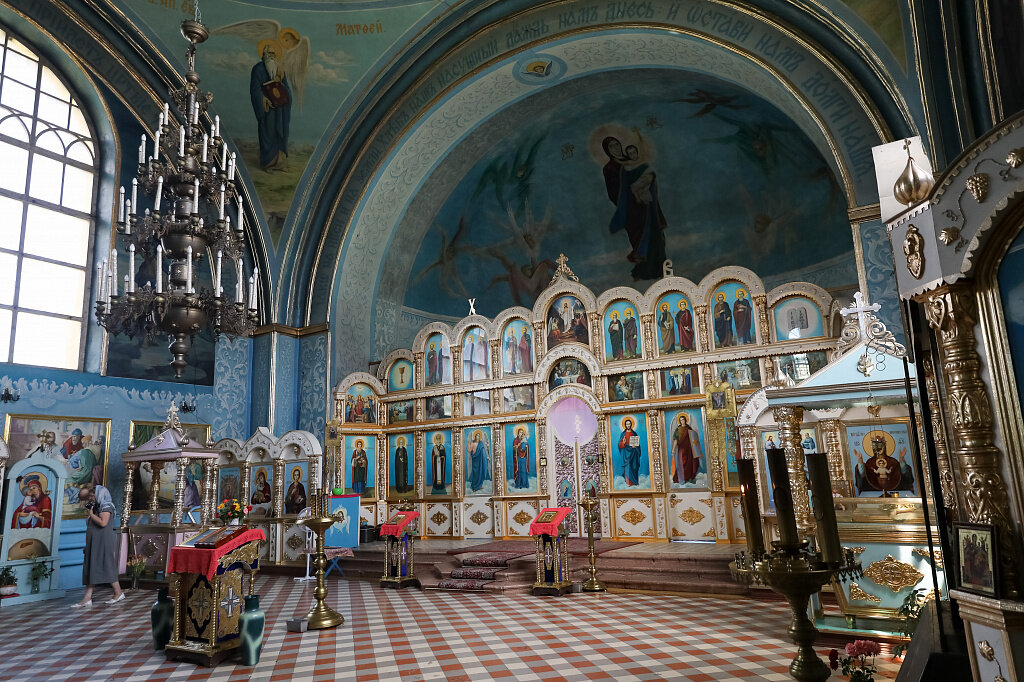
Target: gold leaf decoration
{"x": 633, "y": 516}
{"x": 522, "y": 518}
{"x": 296, "y": 541}
{"x": 678, "y": 534}
{"x": 988, "y": 652}
{"x": 948, "y": 235}
{"x": 894, "y": 574}
{"x": 977, "y": 184}
{"x": 708, "y": 502}
{"x": 691, "y": 516}
{"x": 710, "y": 533}
{"x": 439, "y": 518}
{"x": 858, "y": 594}
{"x": 923, "y": 553}
{"x": 478, "y": 517}
{"x": 1015, "y": 158}
{"x": 649, "y": 533}
{"x": 856, "y": 550}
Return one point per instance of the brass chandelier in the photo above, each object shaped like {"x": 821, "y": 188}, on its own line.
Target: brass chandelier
{"x": 189, "y": 180}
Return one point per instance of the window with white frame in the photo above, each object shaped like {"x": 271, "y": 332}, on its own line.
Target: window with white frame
{"x": 47, "y": 190}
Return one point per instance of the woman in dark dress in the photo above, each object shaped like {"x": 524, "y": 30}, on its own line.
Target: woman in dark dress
{"x": 101, "y": 546}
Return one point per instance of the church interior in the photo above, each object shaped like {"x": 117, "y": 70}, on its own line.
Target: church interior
{"x": 391, "y": 339}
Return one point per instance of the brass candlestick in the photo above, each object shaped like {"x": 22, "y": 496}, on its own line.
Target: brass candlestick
{"x": 591, "y": 584}
{"x": 321, "y": 616}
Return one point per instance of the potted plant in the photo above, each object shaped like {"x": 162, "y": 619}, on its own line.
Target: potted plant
{"x": 856, "y": 664}
{"x": 39, "y": 571}
{"x": 230, "y": 510}
{"x": 8, "y": 583}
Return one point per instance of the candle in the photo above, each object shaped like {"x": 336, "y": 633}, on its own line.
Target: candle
{"x": 188, "y": 270}
{"x": 252, "y": 292}
{"x": 159, "y": 192}
{"x": 167, "y": 112}
{"x": 113, "y": 267}
{"x": 110, "y": 288}
{"x": 135, "y": 193}
{"x": 222, "y": 201}
{"x": 121, "y": 213}
{"x": 129, "y": 286}
{"x": 238, "y": 280}
{"x": 783, "y": 496}
{"x": 206, "y": 147}
{"x": 142, "y": 150}
{"x": 181, "y": 141}
{"x": 751, "y": 509}
{"x": 127, "y": 221}
{"x": 216, "y": 126}
{"x": 227, "y": 226}
{"x": 195, "y": 196}
{"x": 231, "y": 167}
{"x": 159, "y": 269}
{"x": 220, "y": 267}
{"x": 195, "y": 113}
{"x": 100, "y": 280}
{"x": 241, "y": 215}
{"x": 223, "y": 155}
{"x": 824, "y": 508}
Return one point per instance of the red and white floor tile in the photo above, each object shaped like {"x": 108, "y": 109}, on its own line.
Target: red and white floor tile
{"x": 413, "y": 635}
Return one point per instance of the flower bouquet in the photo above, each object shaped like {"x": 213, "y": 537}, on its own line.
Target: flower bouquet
{"x": 855, "y": 664}
{"x": 136, "y": 566}
{"x": 232, "y": 509}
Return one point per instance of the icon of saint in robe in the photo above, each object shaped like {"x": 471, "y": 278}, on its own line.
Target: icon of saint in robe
{"x": 686, "y": 452}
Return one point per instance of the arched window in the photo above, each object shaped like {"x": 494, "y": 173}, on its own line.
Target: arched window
{"x": 47, "y": 193}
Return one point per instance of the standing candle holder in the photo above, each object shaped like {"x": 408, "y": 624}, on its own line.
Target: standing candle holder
{"x": 591, "y": 584}
{"x": 321, "y": 616}
{"x": 792, "y": 568}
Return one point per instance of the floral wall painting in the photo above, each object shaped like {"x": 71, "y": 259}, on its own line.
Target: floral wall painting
{"x": 477, "y": 447}
{"x": 674, "y": 325}
{"x": 437, "y": 361}
{"x": 401, "y": 463}
{"x": 360, "y": 405}
{"x": 400, "y": 376}
{"x": 880, "y": 459}
{"x": 82, "y": 444}
{"x": 566, "y": 321}
{"x": 686, "y": 449}
{"x": 517, "y": 348}
{"x": 631, "y": 465}
{"x": 621, "y": 325}
{"x": 474, "y": 355}
{"x": 360, "y": 465}
{"x": 797, "y": 317}
{"x": 520, "y": 459}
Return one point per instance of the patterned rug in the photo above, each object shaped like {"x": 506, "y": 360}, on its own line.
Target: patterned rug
{"x": 462, "y": 585}
{"x": 494, "y": 559}
{"x": 577, "y": 546}
{"x": 476, "y": 573}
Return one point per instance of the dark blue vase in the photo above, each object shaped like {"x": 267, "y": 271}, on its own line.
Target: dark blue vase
{"x": 162, "y": 616}
{"x": 250, "y": 631}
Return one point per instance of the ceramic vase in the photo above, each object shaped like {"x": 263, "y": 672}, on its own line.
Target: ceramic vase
{"x": 162, "y": 616}
{"x": 250, "y": 629}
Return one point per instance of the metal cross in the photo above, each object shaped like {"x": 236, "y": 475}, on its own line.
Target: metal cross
{"x": 472, "y": 306}
{"x": 858, "y": 309}
{"x": 229, "y": 602}
{"x": 202, "y": 601}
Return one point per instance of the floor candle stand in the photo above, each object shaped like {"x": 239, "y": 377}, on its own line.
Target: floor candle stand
{"x": 321, "y": 616}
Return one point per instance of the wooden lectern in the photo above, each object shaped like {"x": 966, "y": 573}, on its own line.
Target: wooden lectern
{"x": 552, "y": 552}
{"x": 399, "y": 564}
{"x": 206, "y": 582}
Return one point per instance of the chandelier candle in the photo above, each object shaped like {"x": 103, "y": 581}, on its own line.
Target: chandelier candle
{"x": 783, "y": 496}
{"x": 159, "y": 269}
{"x": 128, "y": 222}
{"x": 142, "y": 151}
{"x": 824, "y": 508}
{"x": 751, "y": 510}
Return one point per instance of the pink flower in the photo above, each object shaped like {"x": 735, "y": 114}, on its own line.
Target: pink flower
{"x": 863, "y": 647}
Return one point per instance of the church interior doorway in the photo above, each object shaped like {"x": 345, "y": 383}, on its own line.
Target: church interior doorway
{"x": 575, "y": 446}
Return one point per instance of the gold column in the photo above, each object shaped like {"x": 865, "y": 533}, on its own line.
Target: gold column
{"x": 542, "y": 453}
{"x": 596, "y": 336}
{"x": 602, "y": 442}
{"x": 498, "y": 470}
{"x": 209, "y": 480}
{"x": 761, "y": 304}
{"x": 701, "y": 313}
{"x": 382, "y": 469}
{"x": 456, "y": 365}
{"x": 420, "y": 471}
{"x": 179, "y": 491}
{"x": 496, "y": 367}
{"x": 180, "y": 608}
{"x": 952, "y": 311}
{"x": 315, "y": 486}
{"x": 278, "y": 492}
{"x": 789, "y": 420}
{"x": 834, "y": 447}
{"x": 417, "y": 363}
{"x": 538, "y": 341}
{"x": 129, "y": 488}
{"x": 154, "y": 490}
{"x": 647, "y": 322}
{"x": 946, "y": 482}
{"x": 246, "y": 488}
{"x": 657, "y": 459}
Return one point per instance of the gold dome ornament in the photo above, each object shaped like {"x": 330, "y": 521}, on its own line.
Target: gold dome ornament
{"x": 914, "y": 184}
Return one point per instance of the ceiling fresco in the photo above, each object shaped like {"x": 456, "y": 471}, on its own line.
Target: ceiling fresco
{"x": 624, "y": 170}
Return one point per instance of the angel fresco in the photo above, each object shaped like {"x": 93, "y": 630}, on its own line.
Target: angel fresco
{"x": 277, "y": 80}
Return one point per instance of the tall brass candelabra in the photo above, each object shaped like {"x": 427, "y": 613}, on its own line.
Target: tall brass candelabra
{"x": 321, "y": 616}
{"x": 591, "y": 584}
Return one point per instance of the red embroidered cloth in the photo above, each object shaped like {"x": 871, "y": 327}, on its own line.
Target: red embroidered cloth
{"x": 548, "y": 520}
{"x": 204, "y": 561}
{"x": 397, "y": 523}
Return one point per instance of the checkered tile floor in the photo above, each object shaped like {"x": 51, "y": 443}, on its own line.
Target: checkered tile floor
{"x": 413, "y": 635}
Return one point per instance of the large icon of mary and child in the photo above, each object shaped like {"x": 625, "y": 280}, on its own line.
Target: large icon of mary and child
{"x": 632, "y": 187}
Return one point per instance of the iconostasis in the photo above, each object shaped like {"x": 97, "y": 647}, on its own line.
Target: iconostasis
{"x": 630, "y": 396}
